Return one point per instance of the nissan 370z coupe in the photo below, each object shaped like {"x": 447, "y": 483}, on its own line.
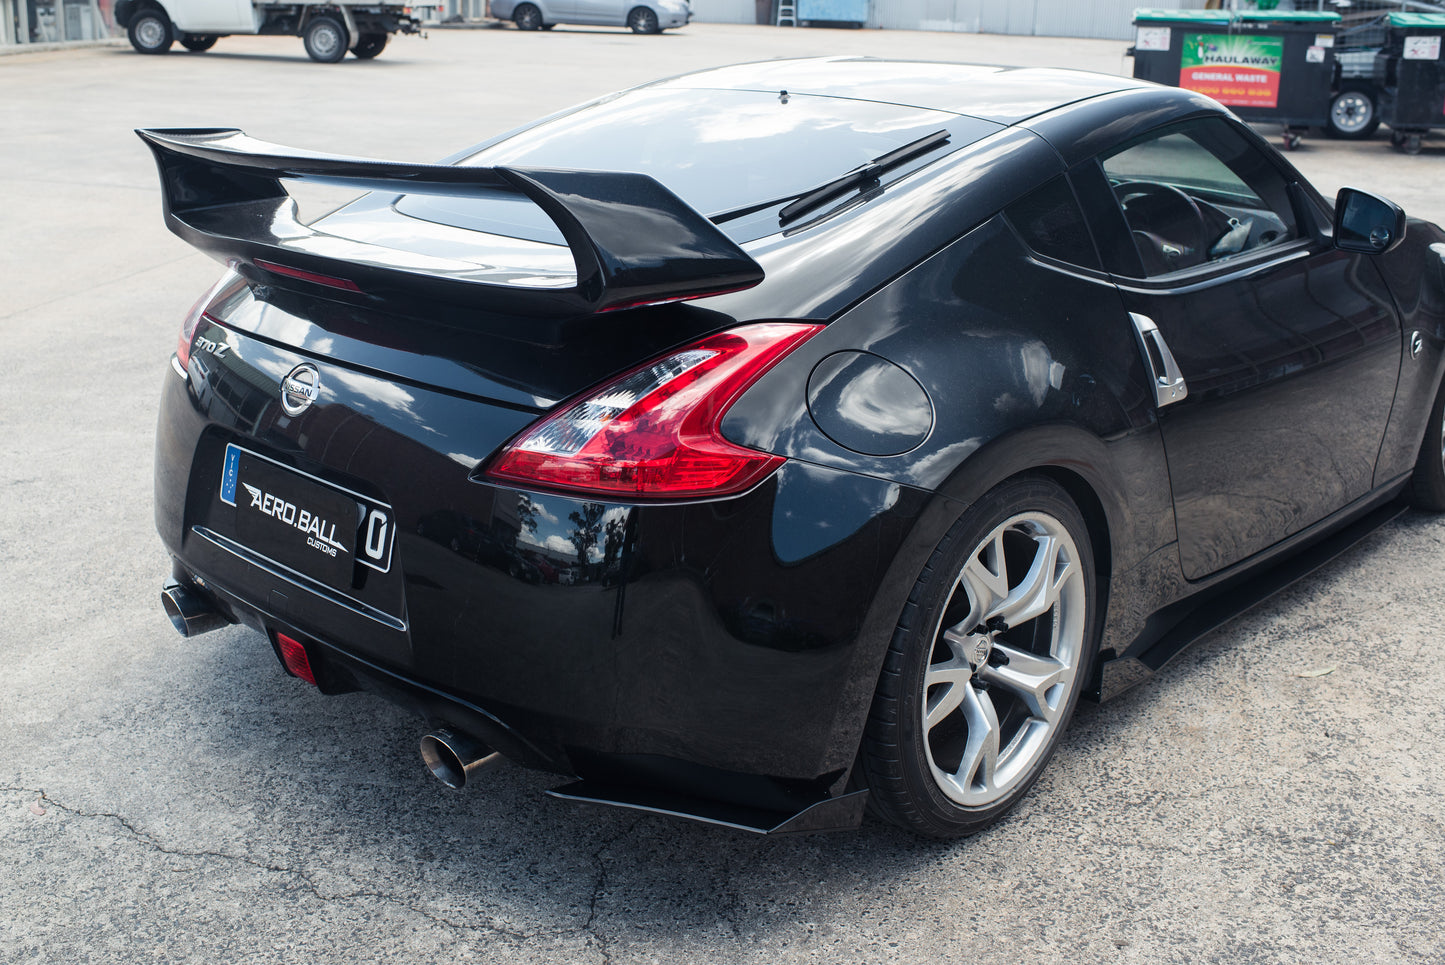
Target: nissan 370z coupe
{"x": 784, "y": 441}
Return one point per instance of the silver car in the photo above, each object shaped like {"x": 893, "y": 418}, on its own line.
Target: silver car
{"x": 649, "y": 17}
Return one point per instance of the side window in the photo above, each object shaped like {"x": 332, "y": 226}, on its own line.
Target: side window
{"x": 1050, "y": 222}
{"x": 1197, "y": 193}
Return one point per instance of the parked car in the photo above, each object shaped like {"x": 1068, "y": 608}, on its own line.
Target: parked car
{"x": 650, "y": 17}
{"x": 894, "y": 407}
{"x": 327, "y": 30}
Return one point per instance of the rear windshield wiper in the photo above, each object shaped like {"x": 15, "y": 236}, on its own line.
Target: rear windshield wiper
{"x": 862, "y": 177}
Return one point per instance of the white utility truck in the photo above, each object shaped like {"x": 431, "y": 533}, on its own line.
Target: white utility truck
{"x": 328, "y": 29}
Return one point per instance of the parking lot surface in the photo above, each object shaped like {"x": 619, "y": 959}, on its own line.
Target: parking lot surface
{"x": 1275, "y": 794}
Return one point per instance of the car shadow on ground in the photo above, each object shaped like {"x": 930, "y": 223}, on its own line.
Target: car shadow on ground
{"x": 386, "y": 59}
{"x": 301, "y": 768}
{"x": 333, "y": 788}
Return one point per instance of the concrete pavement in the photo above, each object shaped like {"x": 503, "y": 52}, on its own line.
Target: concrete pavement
{"x": 1274, "y": 795}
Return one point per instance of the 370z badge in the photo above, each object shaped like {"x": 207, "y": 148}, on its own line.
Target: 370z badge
{"x": 306, "y": 523}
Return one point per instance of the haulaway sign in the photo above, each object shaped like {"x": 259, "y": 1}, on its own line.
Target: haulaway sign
{"x": 1234, "y": 70}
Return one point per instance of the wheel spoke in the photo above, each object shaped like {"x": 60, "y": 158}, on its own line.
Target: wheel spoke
{"x": 1029, "y": 677}
{"x": 951, "y": 680}
{"x": 980, "y": 757}
{"x": 986, "y": 579}
{"x": 1039, "y": 589}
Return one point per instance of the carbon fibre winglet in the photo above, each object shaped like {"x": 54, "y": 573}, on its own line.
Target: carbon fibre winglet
{"x": 632, "y": 240}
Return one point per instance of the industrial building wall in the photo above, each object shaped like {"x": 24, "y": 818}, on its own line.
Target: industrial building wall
{"x": 1106, "y": 19}
{"x": 725, "y": 11}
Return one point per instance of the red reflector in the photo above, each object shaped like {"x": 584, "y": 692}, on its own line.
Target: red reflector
{"x": 293, "y": 655}
{"x": 345, "y": 284}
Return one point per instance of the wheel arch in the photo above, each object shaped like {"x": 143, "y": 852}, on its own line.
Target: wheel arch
{"x": 128, "y": 10}
{"x": 125, "y": 9}
{"x": 1071, "y": 456}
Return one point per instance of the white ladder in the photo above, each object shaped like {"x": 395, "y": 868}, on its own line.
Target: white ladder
{"x": 787, "y": 15}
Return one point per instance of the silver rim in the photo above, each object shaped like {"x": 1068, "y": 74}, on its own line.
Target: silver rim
{"x": 1351, "y": 112}
{"x": 528, "y": 18}
{"x": 150, "y": 32}
{"x": 1004, "y": 658}
{"x": 325, "y": 40}
{"x": 642, "y": 21}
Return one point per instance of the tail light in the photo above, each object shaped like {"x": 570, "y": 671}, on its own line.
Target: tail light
{"x": 188, "y": 329}
{"x": 653, "y": 432}
{"x": 197, "y": 313}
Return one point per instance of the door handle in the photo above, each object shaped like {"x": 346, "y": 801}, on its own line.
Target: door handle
{"x": 1169, "y": 386}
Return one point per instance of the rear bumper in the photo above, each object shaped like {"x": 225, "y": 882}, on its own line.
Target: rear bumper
{"x": 711, "y": 652}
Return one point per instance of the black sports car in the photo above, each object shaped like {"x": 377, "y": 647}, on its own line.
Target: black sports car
{"x": 777, "y": 441}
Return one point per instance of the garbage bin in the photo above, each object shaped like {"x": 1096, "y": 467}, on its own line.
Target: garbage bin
{"x": 1267, "y": 65}
{"x": 1413, "y": 76}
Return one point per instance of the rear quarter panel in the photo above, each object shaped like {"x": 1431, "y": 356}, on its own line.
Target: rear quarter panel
{"x": 1028, "y": 365}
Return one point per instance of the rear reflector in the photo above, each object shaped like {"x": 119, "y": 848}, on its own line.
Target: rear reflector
{"x": 654, "y": 432}
{"x": 293, "y": 655}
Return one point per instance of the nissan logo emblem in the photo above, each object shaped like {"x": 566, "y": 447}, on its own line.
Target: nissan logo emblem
{"x": 300, "y": 388}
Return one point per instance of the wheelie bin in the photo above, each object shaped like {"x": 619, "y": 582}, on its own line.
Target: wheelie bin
{"x": 1267, "y": 65}
{"x": 1412, "y": 74}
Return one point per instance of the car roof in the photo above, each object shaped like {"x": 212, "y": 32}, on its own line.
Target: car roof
{"x": 1005, "y": 95}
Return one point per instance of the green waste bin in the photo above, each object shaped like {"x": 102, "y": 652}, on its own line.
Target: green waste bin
{"x": 1264, "y": 65}
{"x": 1412, "y": 73}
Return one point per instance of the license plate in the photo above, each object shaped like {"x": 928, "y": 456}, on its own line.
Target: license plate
{"x": 307, "y": 524}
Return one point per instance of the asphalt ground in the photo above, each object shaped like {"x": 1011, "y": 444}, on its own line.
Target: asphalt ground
{"x": 1275, "y": 794}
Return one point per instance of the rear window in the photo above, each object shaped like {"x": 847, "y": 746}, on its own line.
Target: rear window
{"x": 1050, "y": 222}
{"x": 719, "y": 150}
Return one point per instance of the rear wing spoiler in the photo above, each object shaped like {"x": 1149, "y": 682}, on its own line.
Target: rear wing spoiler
{"x": 633, "y": 241}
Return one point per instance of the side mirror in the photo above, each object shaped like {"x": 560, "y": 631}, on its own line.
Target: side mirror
{"x": 1367, "y": 223}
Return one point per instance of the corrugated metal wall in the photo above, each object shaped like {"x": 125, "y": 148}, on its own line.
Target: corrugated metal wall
{"x": 724, "y": 11}
{"x": 1105, "y": 19}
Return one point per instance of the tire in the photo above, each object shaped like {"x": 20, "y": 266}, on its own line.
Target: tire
{"x": 527, "y": 17}
{"x": 643, "y": 20}
{"x": 326, "y": 40}
{"x": 1354, "y": 113}
{"x": 196, "y": 43}
{"x": 969, "y": 709}
{"x": 369, "y": 45}
{"x": 1427, "y": 484}
{"x": 150, "y": 32}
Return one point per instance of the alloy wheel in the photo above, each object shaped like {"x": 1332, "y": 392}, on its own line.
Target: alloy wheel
{"x": 1005, "y": 654}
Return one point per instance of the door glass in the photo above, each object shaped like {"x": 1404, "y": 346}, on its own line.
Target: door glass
{"x": 1198, "y": 193}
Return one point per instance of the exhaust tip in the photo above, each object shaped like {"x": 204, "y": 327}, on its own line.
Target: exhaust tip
{"x": 189, "y": 612}
{"x": 454, "y": 758}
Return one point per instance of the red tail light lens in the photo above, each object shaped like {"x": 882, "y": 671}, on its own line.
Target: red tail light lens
{"x": 188, "y": 329}
{"x": 293, "y": 655}
{"x": 653, "y": 432}
{"x": 197, "y": 313}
